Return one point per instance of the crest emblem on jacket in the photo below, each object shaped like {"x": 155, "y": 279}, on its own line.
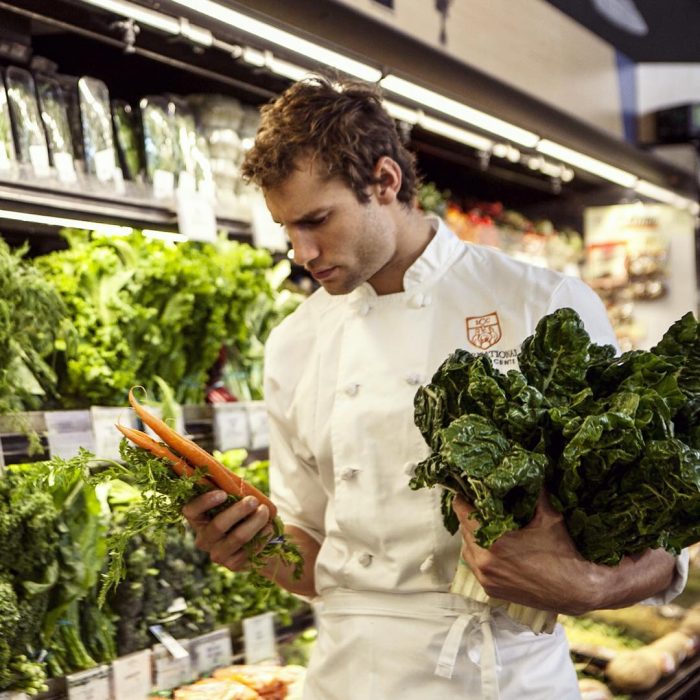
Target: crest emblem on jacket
{"x": 483, "y": 331}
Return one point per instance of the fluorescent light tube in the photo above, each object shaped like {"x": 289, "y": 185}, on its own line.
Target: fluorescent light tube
{"x": 64, "y": 222}
{"x": 403, "y": 114}
{"x": 456, "y": 133}
{"x": 457, "y": 110}
{"x": 286, "y": 40}
{"x": 287, "y": 70}
{"x": 661, "y": 194}
{"x": 584, "y": 162}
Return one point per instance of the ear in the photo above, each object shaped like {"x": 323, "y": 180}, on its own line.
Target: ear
{"x": 389, "y": 177}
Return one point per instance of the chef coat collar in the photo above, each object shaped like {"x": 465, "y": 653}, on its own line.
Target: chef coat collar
{"x": 430, "y": 265}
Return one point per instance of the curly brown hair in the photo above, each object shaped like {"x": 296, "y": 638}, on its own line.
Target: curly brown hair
{"x": 340, "y": 124}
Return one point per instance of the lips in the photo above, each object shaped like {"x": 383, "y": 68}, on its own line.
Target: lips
{"x": 323, "y": 274}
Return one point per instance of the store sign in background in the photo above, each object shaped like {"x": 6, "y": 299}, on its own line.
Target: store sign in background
{"x": 640, "y": 258}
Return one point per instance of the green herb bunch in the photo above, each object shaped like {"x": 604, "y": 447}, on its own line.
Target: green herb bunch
{"x": 614, "y": 441}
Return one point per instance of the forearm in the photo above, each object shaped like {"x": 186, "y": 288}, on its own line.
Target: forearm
{"x": 283, "y": 575}
{"x": 636, "y": 578}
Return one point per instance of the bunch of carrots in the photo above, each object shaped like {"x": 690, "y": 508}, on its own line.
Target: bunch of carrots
{"x": 194, "y": 464}
{"x": 192, "y": 457}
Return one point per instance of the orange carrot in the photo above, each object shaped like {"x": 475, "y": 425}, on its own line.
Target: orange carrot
{"x": 195, "y": 456}
{"x": 178, "y": 465}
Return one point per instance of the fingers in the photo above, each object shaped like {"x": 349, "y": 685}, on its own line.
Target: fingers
{"x": 196, "y": 510}
{"x": 222, "y": 543}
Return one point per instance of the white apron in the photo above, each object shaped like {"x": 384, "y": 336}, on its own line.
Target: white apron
{"x": 432, "y": 646}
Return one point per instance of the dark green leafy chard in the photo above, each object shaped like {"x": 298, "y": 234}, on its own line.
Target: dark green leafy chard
{"x": 612, "y": 440}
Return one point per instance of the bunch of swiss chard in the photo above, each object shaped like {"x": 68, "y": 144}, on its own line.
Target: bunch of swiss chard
{"x": 614, "y": 441}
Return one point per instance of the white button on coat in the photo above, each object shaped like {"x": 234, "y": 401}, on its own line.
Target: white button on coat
{"x": 427, "y": 564}
{"x": 348, "y": 473}
{"x": 365, "y": 559}
{"x": 409, "y": 468}
{"x": 352, "y": 389}
{"x": 414, "y": 379}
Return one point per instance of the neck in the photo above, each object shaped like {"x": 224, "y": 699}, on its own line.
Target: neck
{"x": 415, "y": 233}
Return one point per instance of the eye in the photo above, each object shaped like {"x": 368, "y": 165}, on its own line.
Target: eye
{"x": 318, "y": 221}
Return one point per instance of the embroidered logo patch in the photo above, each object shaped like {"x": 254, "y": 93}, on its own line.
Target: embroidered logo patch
{"x": 483, "y": 331}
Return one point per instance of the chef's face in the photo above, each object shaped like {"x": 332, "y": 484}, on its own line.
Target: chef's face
{"x": 339, "y": 240}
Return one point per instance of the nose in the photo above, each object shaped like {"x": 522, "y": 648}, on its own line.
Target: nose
{"x": 304, "y": 246}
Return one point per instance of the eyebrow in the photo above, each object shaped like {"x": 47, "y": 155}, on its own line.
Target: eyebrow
{"x": 309, "y": 216}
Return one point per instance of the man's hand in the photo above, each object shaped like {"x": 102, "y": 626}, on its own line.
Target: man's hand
{"x": 225, "y": 535}
{"x": 539, "y": 566}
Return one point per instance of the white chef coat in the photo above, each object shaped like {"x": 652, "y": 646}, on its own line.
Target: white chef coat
{"x": 341, "y": 375}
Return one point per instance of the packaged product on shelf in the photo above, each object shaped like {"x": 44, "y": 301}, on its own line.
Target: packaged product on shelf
{"x": 69, "y": 86}
{"x": 54, "y": 114}
{"x": 160, "y": 144}
{"x": 8, "y": 158}
{"x": 128, "y": 139}
{"x": 96, "y": 121}
{"x": 30, "y": 138}
{"x": 220, "y": 119}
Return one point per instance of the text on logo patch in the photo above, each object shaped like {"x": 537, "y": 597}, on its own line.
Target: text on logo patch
{"x": 483, "y": 331}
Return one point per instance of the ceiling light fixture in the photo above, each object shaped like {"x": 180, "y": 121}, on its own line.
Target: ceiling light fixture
{"x": 661, "y": 194}
{"x": 456, "y": 133}
{"x": 286, "y": 40}
{"x": 587, "y": 163}
{"x": 169, "y": 236}
{"x": 457, "y": 110}
{"x": 65, "y": 222}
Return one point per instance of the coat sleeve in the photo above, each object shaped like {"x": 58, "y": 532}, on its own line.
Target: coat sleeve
{"x": 579, "y": 296}
{"x": 295, "y": 485}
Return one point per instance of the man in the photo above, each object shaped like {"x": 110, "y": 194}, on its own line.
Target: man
{"x": 399, "y": 292}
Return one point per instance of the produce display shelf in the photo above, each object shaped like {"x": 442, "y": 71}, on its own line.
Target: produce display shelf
{"x": 89, "y": 200}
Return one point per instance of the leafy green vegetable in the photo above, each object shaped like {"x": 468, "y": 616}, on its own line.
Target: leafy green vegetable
{"x": 612, "y": 440}
{"x": 145, "y": 308}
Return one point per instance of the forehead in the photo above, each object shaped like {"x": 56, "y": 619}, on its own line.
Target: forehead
{"x": 307, "y": 187}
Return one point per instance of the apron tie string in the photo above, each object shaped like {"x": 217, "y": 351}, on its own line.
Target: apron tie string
{"x": 486, "y": 659}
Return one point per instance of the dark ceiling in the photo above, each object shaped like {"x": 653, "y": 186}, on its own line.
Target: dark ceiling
{"x": 672, "y": 26}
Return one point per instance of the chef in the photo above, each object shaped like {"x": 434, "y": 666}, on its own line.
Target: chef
{"x": 398, "y": 293}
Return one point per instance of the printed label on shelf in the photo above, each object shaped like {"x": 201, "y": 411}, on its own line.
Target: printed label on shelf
{"x": 68, "y": 431}
{"x": 195, "y": 216}
{"x": 175, "y": 649}
{"x": 163, "y": 184}
{"x": 157, "y": 411}
{"x": 169, "y": 671}
{"x": 259, "y": 638}
{"x": 231, "y": 425}
{"x": 266, "y": 233}
{"x": 259, "y": 426}
{"x": 118, "y": 178}
{"x": 131, "y": 676}
{"x": 107, "y": 437}
{"x": 186, "y": 183}
{"x": 89, "y": 685}
{"x": 12, "y": 694}
{"x": 212, "y": 650}
{"x": 39, "y": 158}
{"x": 65, "y": 167}
{"x": 5, "y": 164}
{"x": 104, "y": 165}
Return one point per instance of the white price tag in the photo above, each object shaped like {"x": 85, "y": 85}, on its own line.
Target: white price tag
{"x": 195, "y": 216}
{"x": 39, "y": 158}
{"x": 104, "y": 165}
{"x": 5, "y": 164}
{"x": 131, "y": 676}
{"x": 12, "y": 695}
{"x": 89, "y": 685}
{"x": 107, "y": 437}
{"x": 163, "y": 184}
{"x": 231, "y": 426}
{"x": 212, "y": 650}
{"x": 169, "y": 671}
{"x": 259, "y": 638}
{"x": 186, "y": 183}
{"x": 259, "y": 426}
{"x": 65, "y": 167}
{"x": 118, "y": 178}
{"x": 266, "y": 233}
{"x": 68, "y": 431}
{"x": 157, "y": 411}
